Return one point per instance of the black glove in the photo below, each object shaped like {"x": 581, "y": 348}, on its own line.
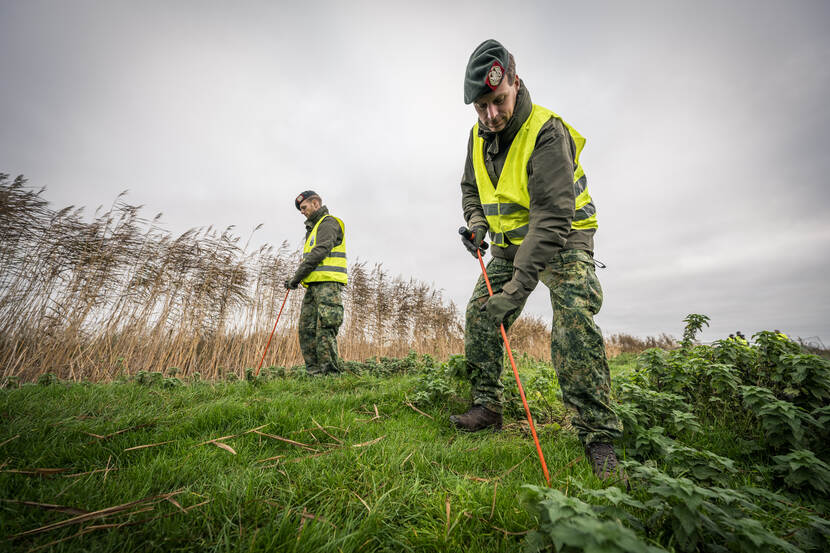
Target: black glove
{"x": 291, "y": 284}
{"x": 473, "y": 239}
{"x": 498, "y": 308}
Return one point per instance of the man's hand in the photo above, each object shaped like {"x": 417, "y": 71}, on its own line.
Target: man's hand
{"x": 499, "y": 307}
{"x": 473, "y": 239}
{"x": 291, "y": 284}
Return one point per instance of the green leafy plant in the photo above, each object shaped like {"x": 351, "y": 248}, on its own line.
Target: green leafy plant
{"x": 802, "y": 469}
{"x": 568, "y": 524}
{"x": 781, "y": 422}
{"x": 437, "y": 384}
{"x": 694, "y": 324}
{"x": 172, "y": 382}
{"x": 805, "y": 378}
{"x": 47, "y": 379}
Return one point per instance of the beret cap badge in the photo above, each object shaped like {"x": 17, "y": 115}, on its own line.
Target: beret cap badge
{"x": 494, "y": 75}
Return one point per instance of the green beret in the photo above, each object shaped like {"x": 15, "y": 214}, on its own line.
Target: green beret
{"x": 485, "y": 70}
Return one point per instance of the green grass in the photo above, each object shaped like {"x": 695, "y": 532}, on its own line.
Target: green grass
{"x": 390, "y": 494}
{"x": 368, "y": 472}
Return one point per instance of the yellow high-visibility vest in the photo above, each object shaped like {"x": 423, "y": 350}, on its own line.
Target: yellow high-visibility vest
{"x": 333, "y": 267}
{"x": 507, "y": 206}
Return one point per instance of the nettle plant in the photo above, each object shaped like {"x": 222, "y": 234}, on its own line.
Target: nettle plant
{"x": 726, "y": 449}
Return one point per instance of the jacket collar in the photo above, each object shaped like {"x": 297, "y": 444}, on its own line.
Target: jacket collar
{"x": 316, "y": 216}
{"x": 520, "y": 114}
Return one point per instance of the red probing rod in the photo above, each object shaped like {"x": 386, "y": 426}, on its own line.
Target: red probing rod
{"x": 272, "y": 332}
{"x": 518, "y": 381}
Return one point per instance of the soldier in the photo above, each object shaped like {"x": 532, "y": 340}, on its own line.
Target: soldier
{"x": 523, "y": 182}
{"x": 323, "y": 273}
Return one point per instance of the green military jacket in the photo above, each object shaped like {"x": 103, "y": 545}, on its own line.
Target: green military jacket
{"x": 550, "y": 186}
{"x": 329, "y": 234}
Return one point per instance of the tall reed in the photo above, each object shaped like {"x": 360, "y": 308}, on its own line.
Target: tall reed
{"x": 114, "y": 293}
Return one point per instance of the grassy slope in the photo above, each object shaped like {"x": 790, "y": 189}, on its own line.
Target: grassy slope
{"x": 388, "y": 495}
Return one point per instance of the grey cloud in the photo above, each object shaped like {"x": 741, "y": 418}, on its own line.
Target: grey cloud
{"x": 707, "y": 133}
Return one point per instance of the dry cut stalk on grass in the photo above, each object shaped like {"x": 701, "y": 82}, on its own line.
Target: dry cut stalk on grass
{"x": 419, "y": 411}
{"x": 447, "y": 529}
{"x": 148, "y": 445}
{"x": 286, "y": 440}
{"x": 336, "y": 439}
{"x": 228, "y": 437}
{"x": 9, "y": 440}
{"x": 48, "y": 506}
{"x": 362, "y": 501}
{"x": 96, "y": 514}
{"x": 110, "y": 435}
{"x": 226, "y": 447}
{"x": 274, "y": 458}
{"x": 36, "y": 472}
{"x": 108, "y": 469}
{"x": 370, "y": 442}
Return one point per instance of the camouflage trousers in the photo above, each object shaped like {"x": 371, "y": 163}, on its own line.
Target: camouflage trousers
{"x": 576, "y": 344}
{"x": 320, "y": 319}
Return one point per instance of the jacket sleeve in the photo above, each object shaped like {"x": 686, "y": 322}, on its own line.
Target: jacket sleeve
{"x": 470, "y": 201}
{"x": 329, "y": 234}
{"x": 550, "y": 186}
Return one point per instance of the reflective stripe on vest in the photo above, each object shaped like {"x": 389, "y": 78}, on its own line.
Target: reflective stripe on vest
{"x": 507, "y": 205}
{"x": 333, "y": 267}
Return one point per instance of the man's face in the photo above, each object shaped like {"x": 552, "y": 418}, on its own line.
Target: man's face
{"x": 309, "y": 206}
{"x": 495, "y": 108}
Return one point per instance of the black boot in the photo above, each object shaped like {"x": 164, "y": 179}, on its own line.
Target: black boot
{"x": 477, "y": 418}
{"x": 604, "y": 462}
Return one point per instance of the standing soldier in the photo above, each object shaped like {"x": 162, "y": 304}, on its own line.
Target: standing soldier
{"x": 323, "y": 273}
{"x": 523, "y": 182}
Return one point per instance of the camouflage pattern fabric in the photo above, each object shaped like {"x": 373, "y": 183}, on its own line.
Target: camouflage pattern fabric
{"x": 320, "y": 319}
{"x": 576, "y": 343}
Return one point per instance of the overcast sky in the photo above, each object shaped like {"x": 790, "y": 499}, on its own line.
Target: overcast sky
{"x": 707, "y": 123}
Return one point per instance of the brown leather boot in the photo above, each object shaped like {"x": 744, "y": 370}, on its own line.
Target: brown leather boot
{"x": 477, "y": 418}
{"x": 604, "y": 462}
